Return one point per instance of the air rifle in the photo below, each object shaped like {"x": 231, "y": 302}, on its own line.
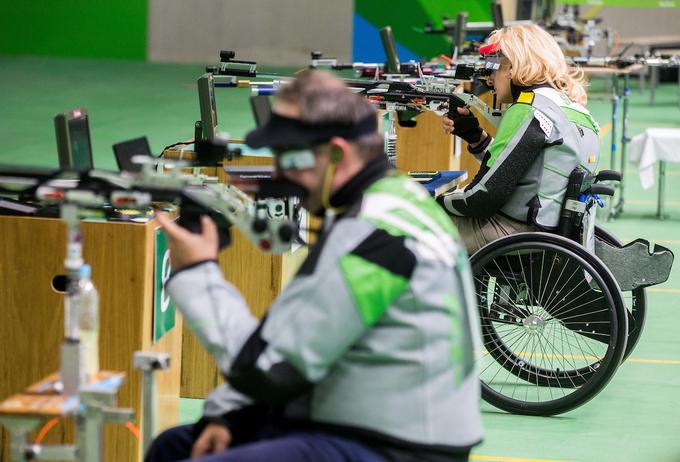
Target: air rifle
{"x": 621, "y": 62}
{"x": 429, "y": 92}
{"x": 265, "y": 224}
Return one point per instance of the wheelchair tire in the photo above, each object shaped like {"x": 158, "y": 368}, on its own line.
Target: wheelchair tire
{"x": 635, "y": 300}
{"x": 533, "y": 312}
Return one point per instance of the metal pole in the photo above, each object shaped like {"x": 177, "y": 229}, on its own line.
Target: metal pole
{"x": 662, "y": 187}
{"x": 149, "y": 363}
{"x": 642, "y": 73}
{"x": 90, "y": 423}
{"x": 18, "y": 445}
{"x": 624, "y": 143}
{"x": 678, "y": 87}
{"x": 148, "y": 408}
{"x": 653, "y": 79}
{"x": 615, "y": 122}
{"x": 615, "y": 118}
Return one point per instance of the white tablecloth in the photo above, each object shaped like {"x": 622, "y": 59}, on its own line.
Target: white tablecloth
{"x": 655, "y": 144}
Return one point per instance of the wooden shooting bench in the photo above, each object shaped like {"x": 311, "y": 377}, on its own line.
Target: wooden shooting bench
{"x": 427, "y": 147}
{"x": 32, "y": 253}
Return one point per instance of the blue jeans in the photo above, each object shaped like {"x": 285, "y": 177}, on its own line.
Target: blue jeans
{"x": 175, "y": 445}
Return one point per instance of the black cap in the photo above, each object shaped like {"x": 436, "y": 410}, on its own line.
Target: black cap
{"x": 285, "y": 132}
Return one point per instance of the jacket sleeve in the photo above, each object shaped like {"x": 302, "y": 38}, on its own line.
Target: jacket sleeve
{"x": 213, "y": 309}
{"x": 518, "y": 142}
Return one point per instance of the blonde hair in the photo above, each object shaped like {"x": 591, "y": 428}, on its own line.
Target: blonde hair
{"x": 536, "y": 58}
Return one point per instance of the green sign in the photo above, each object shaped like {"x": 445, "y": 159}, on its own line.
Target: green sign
{"x": 163, "y": 309}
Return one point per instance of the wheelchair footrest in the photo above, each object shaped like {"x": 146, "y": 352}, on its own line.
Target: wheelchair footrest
{"x": 633, "y": 265}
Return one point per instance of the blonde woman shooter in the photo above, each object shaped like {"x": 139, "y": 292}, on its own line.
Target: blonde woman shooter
{"x": 545, "y": 133}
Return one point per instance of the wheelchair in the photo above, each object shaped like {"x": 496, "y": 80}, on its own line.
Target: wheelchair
{"x": 561, "y": 311}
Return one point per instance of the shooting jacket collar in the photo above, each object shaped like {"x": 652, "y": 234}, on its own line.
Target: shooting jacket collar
{"x": 517, "y": 89}
{"x": 354, "y": 189}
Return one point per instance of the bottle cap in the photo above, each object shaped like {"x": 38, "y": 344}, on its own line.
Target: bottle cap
{"x": 86, "y": 271}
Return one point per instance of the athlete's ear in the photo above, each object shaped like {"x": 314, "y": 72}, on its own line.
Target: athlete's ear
{"x": 337, "y": 147}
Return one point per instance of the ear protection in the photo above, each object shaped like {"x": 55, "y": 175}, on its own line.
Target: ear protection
{"x": 336, "y": 155}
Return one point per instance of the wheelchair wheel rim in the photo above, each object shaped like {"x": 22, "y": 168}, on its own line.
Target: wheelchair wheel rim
{"x": 539, "y": 357}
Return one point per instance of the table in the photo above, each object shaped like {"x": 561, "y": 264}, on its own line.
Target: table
{"x": 648, "y": 148}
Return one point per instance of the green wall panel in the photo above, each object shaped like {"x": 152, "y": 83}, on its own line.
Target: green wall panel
{"x": 78, "y": 28}
{"x": 407, "y": 18}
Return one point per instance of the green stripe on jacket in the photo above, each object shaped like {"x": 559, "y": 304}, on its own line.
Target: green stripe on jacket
{"x": 373, "y": 287}
{"x": 513, "y": 119}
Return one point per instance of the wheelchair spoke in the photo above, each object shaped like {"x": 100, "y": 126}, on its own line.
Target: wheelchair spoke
{"x": 544, "y": 359}
{"x": 553, "y": 293}
{"x": 517, "y": 376}
{"x": 515, "y": 338}
{"x": 555, "y": 296}
{"x": 561, "y": 319}
{"x": 514, "y": 363}
{"x": 561, "y": 311}
{"x": 505, "y": 360}
{"x": 552, "y": 264}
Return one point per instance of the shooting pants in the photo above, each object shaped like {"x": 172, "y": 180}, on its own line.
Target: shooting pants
{"x": 477, "y": 232}
{"x": 175, "y": 445}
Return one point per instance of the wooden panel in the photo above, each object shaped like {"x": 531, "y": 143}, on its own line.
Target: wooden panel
{"x": 425, "y": 146}
{"x": 31, "y": 321}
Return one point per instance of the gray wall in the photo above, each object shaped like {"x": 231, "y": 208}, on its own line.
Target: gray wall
{"x": 272, "y": 32}
{"x": 642, "y": 22}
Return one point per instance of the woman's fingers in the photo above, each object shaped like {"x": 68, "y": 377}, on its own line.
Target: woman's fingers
{"x": 447, "y": 125}
{"x": 463, "y": 110}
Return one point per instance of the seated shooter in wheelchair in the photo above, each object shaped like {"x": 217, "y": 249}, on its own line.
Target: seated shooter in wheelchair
{"x": 559, "y": 312}
{"x": 555, "y": 321}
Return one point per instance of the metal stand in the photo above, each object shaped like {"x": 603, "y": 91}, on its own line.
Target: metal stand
{"x": 613, "y": 146}
{"x": 662, "y": 186}
{"x": 625, "y": 98}
{"x": 653, "y": 81}
{"x": 678, "y": 87}
{"x": 94, "y": 408}
{"x": 149, "y": 363}
{"x": 99, "y": 402}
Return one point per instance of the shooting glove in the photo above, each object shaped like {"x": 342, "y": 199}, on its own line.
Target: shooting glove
{"x": 465, "y": 126}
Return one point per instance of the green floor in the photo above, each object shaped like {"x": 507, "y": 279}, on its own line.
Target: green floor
{"x": 636, "y": 418}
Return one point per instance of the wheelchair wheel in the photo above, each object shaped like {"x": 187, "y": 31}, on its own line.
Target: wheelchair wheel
{"x": 554, "y": 324}
{"x": 635, "y": 300}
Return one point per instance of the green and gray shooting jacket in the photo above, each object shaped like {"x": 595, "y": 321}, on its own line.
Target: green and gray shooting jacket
{"x": 373, "y": 339}
{"x": 542, "y": 137}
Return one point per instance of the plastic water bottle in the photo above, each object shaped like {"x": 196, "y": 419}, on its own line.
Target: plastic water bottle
{"x": 89, "y": 322}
